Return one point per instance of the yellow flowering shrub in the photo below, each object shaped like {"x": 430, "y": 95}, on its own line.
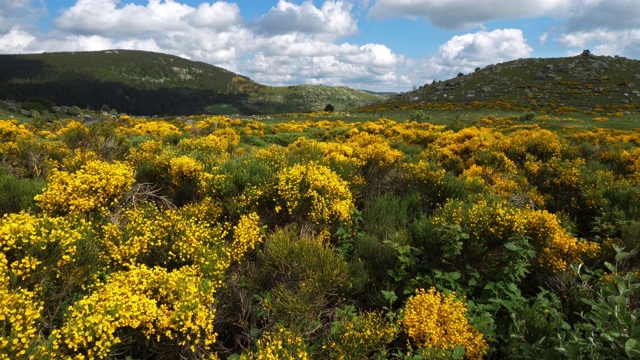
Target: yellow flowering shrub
{"x": 97, "y": 186}
{"x": 145, "y": 151}
{"x": 557, "y": 248}
{"x": 360, "y": 336}
{"x": 185, "y": 170}
{"x": 453, "y": 149}
{"x": 488, "y": 222}
{"x": 253, "y": 127}
{"x": 246, "y": 235}
{"x": 78, "y": 159}
{"x": 429, "y": 179}
{"x": 373, "y": 150}
{"x": 154, "y": 128}
{"x": 437, "y": 321}
{"x": 633, "y": 159}
{"x": 73, "y": 128}
{"x": 171, "y": 306}
{"x": 541, "y": 143}
{"x": 45, "y": 248}
{"x": 167, "y": 238}
{"x": 221, "y": 140}
{"x": 601, "y": 119}
{"x": 20, "y": 312}
{"x": 212, "y": 123}
{"x": 20, "y": 308}
{"x": 280, "y": 343}
{"x": 21, "y": 151}
{"x": 314, "y": 192}
{"x": 11, "y": 130}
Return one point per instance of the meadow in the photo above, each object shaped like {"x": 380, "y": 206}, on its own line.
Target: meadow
{"x": 391, "y": 234}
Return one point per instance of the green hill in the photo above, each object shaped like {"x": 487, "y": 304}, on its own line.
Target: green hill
{"x": 147, "y": 83}
{"x": 583, "y": 83}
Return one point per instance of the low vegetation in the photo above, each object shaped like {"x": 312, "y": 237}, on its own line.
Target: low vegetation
{"x": 315, "y": 237}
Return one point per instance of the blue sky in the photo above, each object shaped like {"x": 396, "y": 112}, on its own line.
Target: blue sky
{"x": 381, "y": 45}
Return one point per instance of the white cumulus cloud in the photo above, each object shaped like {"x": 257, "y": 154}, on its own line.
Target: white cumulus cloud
{"x": 458, "y": 14}
{"x": 466, "y": 52}
{"x": 333, "y": 19}
{"x": 15, "y": 41}
{"x": 107, "y": 18}
{"x": 484, "y": 47}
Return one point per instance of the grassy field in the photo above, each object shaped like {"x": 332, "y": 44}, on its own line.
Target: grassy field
{"x": 467, "y": 118}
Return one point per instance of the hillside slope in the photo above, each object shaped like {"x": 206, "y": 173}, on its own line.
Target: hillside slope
{"x": 148, "y": 83}
{"x": 585, "y": 82}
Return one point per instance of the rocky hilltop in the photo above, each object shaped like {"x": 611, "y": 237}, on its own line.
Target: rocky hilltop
{"x": 583, "y": 82}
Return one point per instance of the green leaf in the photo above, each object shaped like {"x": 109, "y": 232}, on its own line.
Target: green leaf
{"x": 389, "y": 295}
{"x": 610, "y": 266}
{"x": 458, "y": 352}
{"x": 453, "y": 275}
{"x": 622, "y": 255}
{"x": 511, "y": 246}
{"x": 621, "y": 301}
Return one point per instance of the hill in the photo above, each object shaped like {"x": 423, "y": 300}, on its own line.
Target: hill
{"x": 584, "y": 83}
{"x": 147, "y": 83}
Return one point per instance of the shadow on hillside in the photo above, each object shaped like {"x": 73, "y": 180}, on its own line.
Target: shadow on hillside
{"x": 16, "y": 67}
{"x": 88, "y": 93}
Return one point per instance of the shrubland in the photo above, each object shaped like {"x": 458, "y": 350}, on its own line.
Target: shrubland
{"x": 213, "y": 237}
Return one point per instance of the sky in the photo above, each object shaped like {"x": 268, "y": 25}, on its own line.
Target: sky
{"x": 378, "y": 45}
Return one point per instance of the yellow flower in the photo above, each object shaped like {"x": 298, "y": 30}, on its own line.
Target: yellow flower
{"x": 438, "y": 321}
{"x": 94, "y": 187}
{"x": 315, "y": 192}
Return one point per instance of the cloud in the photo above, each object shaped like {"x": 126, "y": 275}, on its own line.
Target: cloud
{"x": 466, "y": 52}
{"x": 610, "y": 14}
{"x": 606, "y": 27}
{"x": 460, "y": 14}
{"x": 219, "y": 15}
{"x": 333, "y": 19}
{"x": 106, "y": 18}
{"x": 16, "y": 14}
{"x": 603, "y": 41}
{"x": 15, "y": 41}
{"x": 298, "y": 58}
{"x": 481, "y": 48}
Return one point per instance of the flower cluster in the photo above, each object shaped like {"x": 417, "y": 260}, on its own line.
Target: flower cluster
{"x": 185, "y": 170}
{"x": 438, "y": 321}
{"x": 154, "y": 128}
{"x": 95, "y": 187}
{"x": 158, "y": 304}
{"x": 279, "y": 344}
{"x": 558, "y": 247}
{"x": 316, "y": 193}
{"x": 360, "y": 336}
{"x": 246, "y": 235}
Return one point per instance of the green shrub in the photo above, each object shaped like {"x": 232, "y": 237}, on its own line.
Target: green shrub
{"x": 385, "y": 215}
{"x": 17, "y": 194}
{"x": 300, "y": 279}
{"x": 377, "y": 259}
{"x": 606, "y": 327}
{"x": 420, "y": 116}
